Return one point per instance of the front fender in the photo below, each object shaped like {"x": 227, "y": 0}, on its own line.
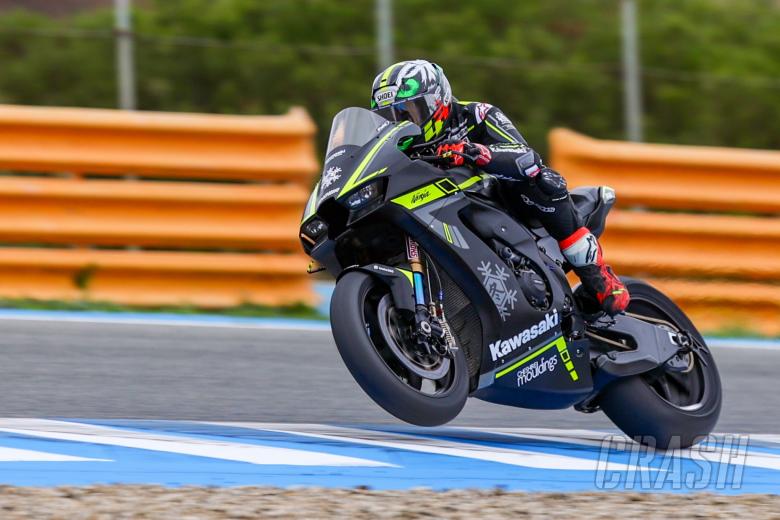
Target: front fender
{"x": 398, "y": 280}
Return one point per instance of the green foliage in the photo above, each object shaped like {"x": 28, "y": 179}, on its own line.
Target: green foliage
{"x": 711, "y": 73}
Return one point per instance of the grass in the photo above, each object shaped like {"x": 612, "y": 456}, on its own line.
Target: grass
{"x": 248, "y": 310}
{"x": 737, "y": 331}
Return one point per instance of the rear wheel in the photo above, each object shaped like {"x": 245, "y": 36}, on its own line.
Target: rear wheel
{"x": 677, "y": 404}
{"x": 375, "y": 342}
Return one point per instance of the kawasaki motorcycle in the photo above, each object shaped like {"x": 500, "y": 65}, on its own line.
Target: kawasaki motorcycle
{"x": 443, "y": 292}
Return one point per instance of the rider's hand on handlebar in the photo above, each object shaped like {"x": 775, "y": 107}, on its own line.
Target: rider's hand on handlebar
{"x": 457, "y": 153}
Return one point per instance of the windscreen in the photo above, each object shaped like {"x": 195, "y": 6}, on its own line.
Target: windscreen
{"x": 353, "y": 126}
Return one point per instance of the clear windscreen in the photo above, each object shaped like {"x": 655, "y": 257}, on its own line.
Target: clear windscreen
{"x": 353, "y": 126}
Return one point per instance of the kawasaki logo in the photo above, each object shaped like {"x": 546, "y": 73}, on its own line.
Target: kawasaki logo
{"x": 501, "y": 348}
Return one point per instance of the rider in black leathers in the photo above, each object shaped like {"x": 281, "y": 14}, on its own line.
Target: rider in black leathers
{"x": 418, "y": 91}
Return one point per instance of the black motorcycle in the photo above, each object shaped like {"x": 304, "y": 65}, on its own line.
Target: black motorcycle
{"x": 444, "y": 292}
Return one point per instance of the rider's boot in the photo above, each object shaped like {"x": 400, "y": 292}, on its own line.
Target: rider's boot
{"x": 583, "y": 251}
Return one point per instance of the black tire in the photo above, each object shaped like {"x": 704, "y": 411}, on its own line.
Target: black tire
{"x": 636, "y": 405}
{"x": 352, "y": 311}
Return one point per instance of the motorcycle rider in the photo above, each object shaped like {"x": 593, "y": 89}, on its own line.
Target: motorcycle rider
{"x": 418, "y": 91}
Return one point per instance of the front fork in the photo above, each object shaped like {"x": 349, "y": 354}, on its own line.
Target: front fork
{"x": 432, "y": 329}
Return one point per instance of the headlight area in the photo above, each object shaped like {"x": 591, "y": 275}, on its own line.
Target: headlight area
{"x": 365, "y": 200}
{"x": 313, "y": 230}
{"x": 363, "y": 197}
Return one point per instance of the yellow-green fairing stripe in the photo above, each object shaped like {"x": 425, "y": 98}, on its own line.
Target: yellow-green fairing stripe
{"x": 312, "y": 205}
{"x": 447, "y": 234}
{"x": 431, "y": 191}
{"x": 372, "y": 175}
{"x": 568, "y": 363}
{"x": 355, "y": 180}
{"x": 559, "y": 342}
{"x": 501, "y": 132}
{"x": 407, "y": 274}
{"x": 434, "y": 192}
{"x": 470, "y": 181}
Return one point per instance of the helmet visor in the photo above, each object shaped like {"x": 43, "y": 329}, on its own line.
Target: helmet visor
{"x": 417, "y": 110}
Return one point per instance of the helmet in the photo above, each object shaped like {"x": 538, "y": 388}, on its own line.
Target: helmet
{"x": 416, "y": 91}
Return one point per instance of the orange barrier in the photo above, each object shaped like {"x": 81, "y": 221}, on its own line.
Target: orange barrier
{"x": 152, "y": 208}
{"x": 722, "y": 267}
{"x": 158, "y": 144}
{"x": 671, "y": 176}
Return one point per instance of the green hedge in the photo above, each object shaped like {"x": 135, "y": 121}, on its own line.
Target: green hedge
{"x": 711, "y": 76}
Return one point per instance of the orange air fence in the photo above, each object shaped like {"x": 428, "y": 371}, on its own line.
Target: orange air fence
{"x": 146, "y": 208}
{"x": 700, "y": 223}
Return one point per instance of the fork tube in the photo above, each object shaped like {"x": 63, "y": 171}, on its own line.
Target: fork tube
{"x": 413, "y": 256}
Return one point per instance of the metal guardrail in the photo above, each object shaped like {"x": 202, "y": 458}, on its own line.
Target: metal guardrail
{"x": 153, "y": 208}
{"x": 702, "y": 223}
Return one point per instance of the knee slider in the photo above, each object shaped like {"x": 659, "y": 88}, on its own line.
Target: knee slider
{"x": 552, "y": 184}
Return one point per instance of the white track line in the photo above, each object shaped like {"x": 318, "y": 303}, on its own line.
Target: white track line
{"x": 514, "y": 457}
{"x": 703, "y": 452}
{"x": 18, "y": 455}
{"x": 250, "y": 453}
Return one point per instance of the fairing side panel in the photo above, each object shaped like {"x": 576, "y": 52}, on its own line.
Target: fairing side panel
{"x": 456, "y": 231}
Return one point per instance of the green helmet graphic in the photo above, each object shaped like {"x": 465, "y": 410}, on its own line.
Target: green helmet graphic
{"x": 416, "y": 91}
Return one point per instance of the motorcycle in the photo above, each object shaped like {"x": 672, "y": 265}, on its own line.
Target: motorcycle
{"x": 443, "y": 292}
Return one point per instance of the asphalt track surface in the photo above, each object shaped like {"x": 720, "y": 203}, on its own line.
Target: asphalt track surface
{"x": 100, "y": 370}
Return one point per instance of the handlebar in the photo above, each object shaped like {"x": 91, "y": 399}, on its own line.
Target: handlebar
{"x": 470, "y": 159}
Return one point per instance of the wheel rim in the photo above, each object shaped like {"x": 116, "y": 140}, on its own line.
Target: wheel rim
{"x": 428, "y": 374}
{"x": 682, "y": 383}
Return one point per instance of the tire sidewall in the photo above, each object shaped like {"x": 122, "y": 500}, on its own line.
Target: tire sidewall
{"x": 370, "y": 370}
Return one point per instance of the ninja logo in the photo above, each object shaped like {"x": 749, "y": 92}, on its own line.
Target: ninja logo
{"x": 419, "y": 197}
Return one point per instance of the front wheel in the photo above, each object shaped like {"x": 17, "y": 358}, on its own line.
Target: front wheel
{"x": 426, "y": 389}
{"x": 669, "y": 407}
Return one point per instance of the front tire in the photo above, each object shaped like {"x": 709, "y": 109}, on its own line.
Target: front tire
{"x": 663, "y": 408}
{"x": 358, "y": 321}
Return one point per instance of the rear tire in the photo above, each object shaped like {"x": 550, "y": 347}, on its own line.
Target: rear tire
{"x": 665, "y": 409}
{"x": 354, "y": 322}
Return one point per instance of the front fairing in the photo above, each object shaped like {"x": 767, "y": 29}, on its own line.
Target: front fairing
{"x": 349, "y": 164}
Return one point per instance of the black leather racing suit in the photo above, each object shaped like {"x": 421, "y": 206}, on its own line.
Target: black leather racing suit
{"x": 539, "y": 191}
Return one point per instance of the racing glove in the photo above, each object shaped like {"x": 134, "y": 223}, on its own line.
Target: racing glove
{"x": 459, "y": 152}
